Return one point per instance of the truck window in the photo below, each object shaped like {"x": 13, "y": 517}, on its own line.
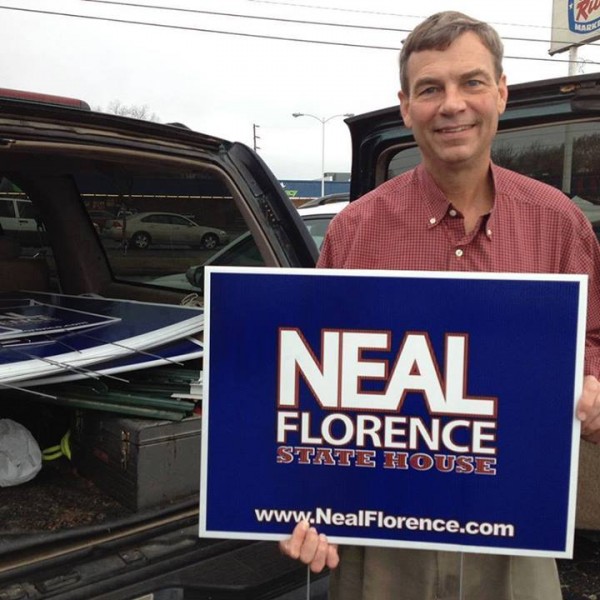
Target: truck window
{"x": 564, "y": 156}
{"x": 155, "y": 225}
{"x": 7, "y": 208}
{"x": 8, "y": 193}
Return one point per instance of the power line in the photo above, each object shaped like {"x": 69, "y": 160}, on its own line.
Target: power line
{"x": 294, "y": 21}
{"x": 196, "y": 29}
{"x": 240, "y": 16}
{"x": 247, "y": 35}
{"x": 365, "y": 12}
{"x": 388, "y": 14}
{"x": 334, "y": 8}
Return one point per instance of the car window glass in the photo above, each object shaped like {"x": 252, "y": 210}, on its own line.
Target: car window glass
{"x": 8, "y": 192}
{"x": 243, "y": 254}
{"x": 564, "y": 156}
{"x": 317, "y": 226}
{"x": 27, "y": 211}
{"x": 402, "y": 161}
{"x": 175, "y": 220}
{"x": 7, "y": 208}
{"x": 154, "y": 226}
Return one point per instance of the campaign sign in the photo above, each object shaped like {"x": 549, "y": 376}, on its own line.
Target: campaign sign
{"x": 407, "y": 409}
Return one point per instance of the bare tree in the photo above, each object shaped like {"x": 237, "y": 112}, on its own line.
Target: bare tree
{"x": 116, "y": 107}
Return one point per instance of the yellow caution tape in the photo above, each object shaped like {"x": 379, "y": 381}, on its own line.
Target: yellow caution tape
{"x": 62, "y": 449}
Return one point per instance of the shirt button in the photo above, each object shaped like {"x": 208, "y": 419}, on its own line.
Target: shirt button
{"x": 452, "y": 212}
{"x": 432, "y": 220}
{"x": 459, "y": 252}
{"x": 489, "y": 233}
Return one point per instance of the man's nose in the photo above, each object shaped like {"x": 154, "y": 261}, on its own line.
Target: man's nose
{"x": 453, "y": 100}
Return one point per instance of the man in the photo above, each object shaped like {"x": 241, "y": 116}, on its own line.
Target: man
{"x": 457, "y": 211}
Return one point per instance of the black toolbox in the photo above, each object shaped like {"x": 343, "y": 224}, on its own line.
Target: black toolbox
{"x": 142, "y": 463}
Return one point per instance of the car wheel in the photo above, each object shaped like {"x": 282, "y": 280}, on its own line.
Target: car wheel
{"x": 140, "y": 240}
{"x": 210, "y": 241}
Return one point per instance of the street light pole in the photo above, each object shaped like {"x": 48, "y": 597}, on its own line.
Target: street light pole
{"x": 322, "y": 120}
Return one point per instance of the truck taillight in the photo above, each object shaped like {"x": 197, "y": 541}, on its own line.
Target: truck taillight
{"x": 44, "y": 98}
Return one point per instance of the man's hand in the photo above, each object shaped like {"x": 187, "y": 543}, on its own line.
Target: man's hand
{"x": 311, "y": 548}
{"x": 588, "y": 410}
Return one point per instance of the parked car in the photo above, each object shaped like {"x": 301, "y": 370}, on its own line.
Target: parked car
{"x": 141, "y": 230}
{"x": 102, "y": 219}
{"x": 328, "y": 199}
{"x": 125, "y": 213}
{"x": 317, "y": 218}
{"x": 69, "y": 533}
{"x": 20, "y": 219}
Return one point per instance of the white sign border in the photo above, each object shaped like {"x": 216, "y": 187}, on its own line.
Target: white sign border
{"x": 468, "y": 275}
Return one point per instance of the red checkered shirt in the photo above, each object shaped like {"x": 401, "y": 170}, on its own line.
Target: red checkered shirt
{"x": 408, "y": 224}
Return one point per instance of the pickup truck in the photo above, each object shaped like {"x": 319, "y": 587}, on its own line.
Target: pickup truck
{"x": 97, "y": 526}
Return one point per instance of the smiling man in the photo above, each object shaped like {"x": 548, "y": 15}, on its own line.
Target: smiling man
{"x": 457, "y": 211}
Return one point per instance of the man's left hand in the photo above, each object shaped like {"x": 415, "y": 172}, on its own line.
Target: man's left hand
{"x": 588, "y": 410}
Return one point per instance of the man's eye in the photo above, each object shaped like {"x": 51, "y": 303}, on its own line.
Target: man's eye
{"x": 474, "y": 83}
{"x": 428, "y": 91}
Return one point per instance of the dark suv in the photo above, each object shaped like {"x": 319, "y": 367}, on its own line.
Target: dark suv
{"x": 119, "y": 520}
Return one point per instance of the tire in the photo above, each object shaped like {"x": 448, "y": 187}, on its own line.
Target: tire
{"x": 140, "y": 240}
{"x": 210, "y": 241}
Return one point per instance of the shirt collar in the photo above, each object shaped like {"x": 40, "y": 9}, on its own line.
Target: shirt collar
{"x": 437, "y": 205}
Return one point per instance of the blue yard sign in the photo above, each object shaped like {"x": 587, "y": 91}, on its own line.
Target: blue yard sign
{"x": 406, "y": 409}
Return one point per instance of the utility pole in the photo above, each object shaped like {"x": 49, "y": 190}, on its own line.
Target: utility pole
{"x": 255, "y": 137}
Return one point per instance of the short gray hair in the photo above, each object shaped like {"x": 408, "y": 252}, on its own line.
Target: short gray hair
{"x": 438, "y": 31}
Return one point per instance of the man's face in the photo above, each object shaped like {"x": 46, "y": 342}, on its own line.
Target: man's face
{"x": 453, "y": 103}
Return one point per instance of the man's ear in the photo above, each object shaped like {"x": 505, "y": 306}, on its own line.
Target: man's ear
{"x": 502, "y": 94}
{"x": 404, "y": 112}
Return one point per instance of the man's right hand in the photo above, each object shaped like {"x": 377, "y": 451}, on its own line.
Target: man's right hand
{"x": 311, "y": 548}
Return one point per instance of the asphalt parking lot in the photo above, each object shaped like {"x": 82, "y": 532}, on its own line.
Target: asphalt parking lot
{"x": 580, "y": 577}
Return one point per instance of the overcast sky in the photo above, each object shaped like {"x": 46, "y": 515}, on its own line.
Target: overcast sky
{"x": 223, "y": 84}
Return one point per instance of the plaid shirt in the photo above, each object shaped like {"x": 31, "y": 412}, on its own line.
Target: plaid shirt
{"x": 408, "y": 224}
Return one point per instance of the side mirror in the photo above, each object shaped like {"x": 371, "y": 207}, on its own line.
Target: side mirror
{"x": 195, "y": 275}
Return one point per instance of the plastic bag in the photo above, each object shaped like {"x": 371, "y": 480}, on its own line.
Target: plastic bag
{"x": 20, "y": 454}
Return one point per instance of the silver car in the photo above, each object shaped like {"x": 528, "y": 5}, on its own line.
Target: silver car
{"x": 144, "y": 229}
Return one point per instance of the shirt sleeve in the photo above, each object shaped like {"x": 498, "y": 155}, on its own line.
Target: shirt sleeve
{"x": 325, "y": 257}
{"x": 589, "y": 263}
{"x": 582, "y": 256}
